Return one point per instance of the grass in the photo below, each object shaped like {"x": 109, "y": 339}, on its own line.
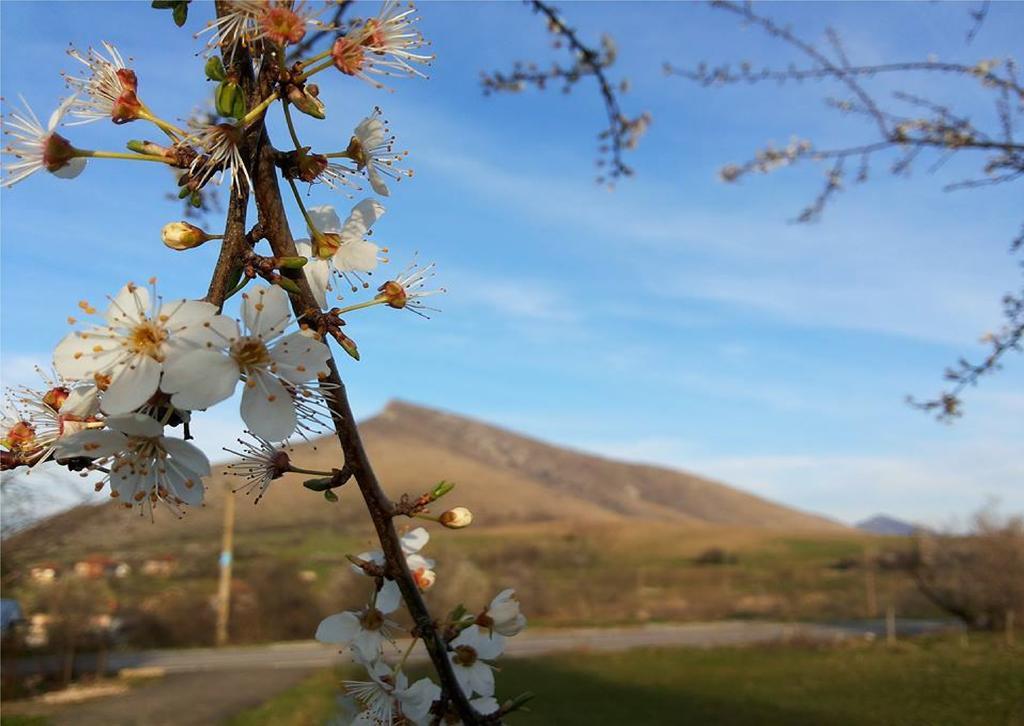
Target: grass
{"x": 934, "y": 681}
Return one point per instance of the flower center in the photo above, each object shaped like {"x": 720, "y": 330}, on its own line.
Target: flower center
{"x": 20, "y": 437}
{"x": 250, "y": 353}
{"x": 146, "y": 339}
{"x": 357, "y": 153}
{"x": 325, "y": 244}
{"x": 283, "y": 26}
{"x": 465, "y": 656}
{"x": 348, "y": 56}
{"x": 372, "y": 619}
{"x": 57, "y": 152}
{"x": 374, "y": 36}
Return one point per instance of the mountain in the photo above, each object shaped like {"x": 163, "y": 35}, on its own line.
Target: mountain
{"x": 886, "y": 525}
{"x": 503, "y": 477}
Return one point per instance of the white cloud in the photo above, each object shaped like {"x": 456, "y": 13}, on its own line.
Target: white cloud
{"x": 928, "y": 484}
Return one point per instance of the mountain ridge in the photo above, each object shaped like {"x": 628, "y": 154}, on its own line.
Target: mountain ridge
{"x": 504, "y": 477}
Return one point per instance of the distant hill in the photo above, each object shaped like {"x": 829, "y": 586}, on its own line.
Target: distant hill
{"x": 503, "y": 477}
{"x": 884, "y": 524}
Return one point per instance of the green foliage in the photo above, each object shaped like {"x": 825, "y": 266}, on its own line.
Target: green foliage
{"x": 178, "y": 8}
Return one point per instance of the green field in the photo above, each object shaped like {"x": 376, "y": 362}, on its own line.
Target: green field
{"x": 926, "y": 682}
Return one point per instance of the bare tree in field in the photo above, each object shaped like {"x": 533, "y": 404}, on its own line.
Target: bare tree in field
{"x": 977, "y": 577}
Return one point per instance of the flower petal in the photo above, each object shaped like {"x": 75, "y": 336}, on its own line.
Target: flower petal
{"x": 200, "y": 378}
{"x": 325, "y": 218}
{"x": 388, "y": 597}
{"x": 267, "y": 408}
{"x": 360, "y": 219}
{"x": 481, "y": 679}
{"x": 94, "y": 444}
{"x": 132, "y": 385}
{"x": 187, "y": 455}
{"x": 135, "y": 424}
{"x": 338, "y": 629}
{"x": 82, "y": 353}
{"x": 265, "y": 311}
{"x": 357, "y": 255}
{"x": 414, "y": 541}
{"x": 300, "y": 358}
{"x": 128, "y": 307}
{"x": 71, "y": 169}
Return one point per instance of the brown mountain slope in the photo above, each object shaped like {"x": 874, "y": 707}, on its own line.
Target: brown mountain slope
{"x": 502, "y": 477}
{"x": 632, "y": 490}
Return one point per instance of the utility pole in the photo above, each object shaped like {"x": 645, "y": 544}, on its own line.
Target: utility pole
{"x": 226, "y": 554}
{"x": 890, "y": 624}
{"x": 871, "y": 592}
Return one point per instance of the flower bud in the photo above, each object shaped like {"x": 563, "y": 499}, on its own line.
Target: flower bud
{"x": 349, "y": 345}
{"x": 140, "y": 146}
{"x": 290, "y": 263}
{"x": 288, "y": 284}
{"x": 457, "y": 518}
{"x": 183, "y": 236}
{"x": 230, "y": 100}
{"x": 305, "y": 100}
{"x": 424, "y": 578}
{"x": 214, "y": 69}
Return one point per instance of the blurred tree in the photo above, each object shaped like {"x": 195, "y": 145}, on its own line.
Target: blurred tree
{"x": 978, "y": 577}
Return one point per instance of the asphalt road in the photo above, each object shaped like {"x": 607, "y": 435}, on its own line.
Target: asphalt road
{"x": 207, "y": 686}
{"x": 533, "y": 641}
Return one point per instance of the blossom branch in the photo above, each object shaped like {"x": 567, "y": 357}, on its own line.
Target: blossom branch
{"x": 274, "y": 227}
{"x": 622, "y": 132}
{"x": 928, "y": 126}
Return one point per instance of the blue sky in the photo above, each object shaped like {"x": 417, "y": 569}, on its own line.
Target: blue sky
{"x": 675, "y": 320}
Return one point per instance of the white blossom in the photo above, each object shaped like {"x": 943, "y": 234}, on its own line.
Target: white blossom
{"x": 421, "y": 568}
{"x": 372, "y": 149}
{"x": 221, "y": 155}
{"x": 406, "y": 290}
{"x": 341, "y": 250}
{"x": 145, "y": 467}
{"x": 260, "y": 462}
{"x": 37, "y": 148}
{"x": 269, "y": 361}
{"x": 240, "y": 23}
{"x": 109, "y": 92}
{"x": 387, "y": 698}
{"x": 503, "y": 616}
{"x": 364, "y": 631}
{"x": 33, "y": 421}
{"x": 127, "y": 355}
{"x": 386, "y": 45}
{"x": 468, "y": 652}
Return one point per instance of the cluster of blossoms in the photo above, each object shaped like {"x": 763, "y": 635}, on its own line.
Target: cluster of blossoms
{"x": 128, "y": 379}
{"x": 473, "y": 641}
